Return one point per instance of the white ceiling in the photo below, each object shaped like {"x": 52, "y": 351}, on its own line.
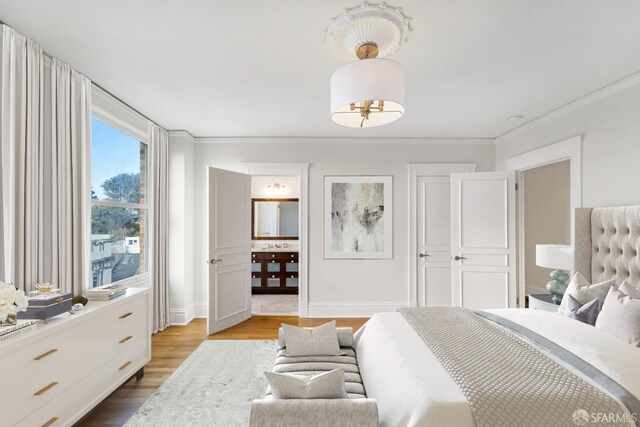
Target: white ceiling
{"x": 259, "y": 68}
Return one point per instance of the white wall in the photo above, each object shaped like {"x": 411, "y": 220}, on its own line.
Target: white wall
{"x": 610, "y": 148}
{"x": 336, "y": 287}
{"x": 181, "y": 230}
{"x": 547, "y": 217}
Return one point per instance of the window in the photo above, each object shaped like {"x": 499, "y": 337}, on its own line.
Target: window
{"x": 119, "y": 211}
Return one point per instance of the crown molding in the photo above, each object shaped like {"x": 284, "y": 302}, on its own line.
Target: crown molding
{"x": 323, "y": 140}
{"x": 599, "y": 94}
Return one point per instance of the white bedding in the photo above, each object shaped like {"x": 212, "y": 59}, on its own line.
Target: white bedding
{"x": 413, "y": 389}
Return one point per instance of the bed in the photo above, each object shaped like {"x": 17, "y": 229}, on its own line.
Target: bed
{"x": 413, "y": 388}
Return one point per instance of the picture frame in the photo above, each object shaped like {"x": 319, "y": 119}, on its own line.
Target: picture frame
{"x": 358, "y": 217}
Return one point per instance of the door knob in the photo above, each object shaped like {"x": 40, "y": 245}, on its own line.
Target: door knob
{"x": 423, "y": 255}
{"x": 213, "y": 261}
{"x": 458, "y": 258}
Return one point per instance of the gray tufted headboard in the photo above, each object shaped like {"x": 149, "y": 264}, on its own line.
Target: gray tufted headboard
{"x": 607, "y": 243}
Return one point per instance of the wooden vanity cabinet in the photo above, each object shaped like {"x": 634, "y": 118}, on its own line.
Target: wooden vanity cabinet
{"x": 274, "y": 272}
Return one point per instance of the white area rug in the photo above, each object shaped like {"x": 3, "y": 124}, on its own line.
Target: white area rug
{"x": 213, "y": 387}
{"x": 274, "y": 305}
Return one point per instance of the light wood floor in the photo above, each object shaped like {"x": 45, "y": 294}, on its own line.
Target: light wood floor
{"x": 172, "y": 346}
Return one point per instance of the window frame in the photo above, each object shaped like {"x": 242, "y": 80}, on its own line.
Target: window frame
{"x": 113, "y": 113}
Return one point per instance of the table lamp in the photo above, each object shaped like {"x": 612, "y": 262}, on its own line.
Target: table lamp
{"x": 559, "y": 257}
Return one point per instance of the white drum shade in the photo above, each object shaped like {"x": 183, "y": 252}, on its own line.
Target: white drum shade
{"x": 554, "y": 256}
{"x": 367, "y": 80}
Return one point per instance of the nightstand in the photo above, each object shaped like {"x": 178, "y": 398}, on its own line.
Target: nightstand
{"x": 542, "y": 302}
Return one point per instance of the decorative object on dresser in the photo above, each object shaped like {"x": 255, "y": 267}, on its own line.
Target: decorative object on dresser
{"x": 12, "y": 301}
{"x": 542, "y": 302}
{"x": 46, "y": 305}
{"x": 358, "y": 217}
{"x": 274, "y": 272}
{"x": 559, "y": 257}
{"x": 75, "y": 361}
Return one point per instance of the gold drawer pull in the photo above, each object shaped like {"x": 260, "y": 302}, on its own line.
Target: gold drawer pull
{"x": 125, "y": 315}
{"x": 43, "y": 355}
{"x": 50, "y": 422}
{"x": 123, "y": 340}
{"x": 45, "y": 389}
{"x": 125, "y": 365}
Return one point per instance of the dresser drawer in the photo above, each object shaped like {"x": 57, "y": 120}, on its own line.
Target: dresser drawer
{"x": 43, "y": 370}
{"x": 117, "y": 329}
{"x": 69, "y": 406}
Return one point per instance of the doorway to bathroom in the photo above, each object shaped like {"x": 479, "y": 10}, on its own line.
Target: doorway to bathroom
{"x": 275, "y": 245}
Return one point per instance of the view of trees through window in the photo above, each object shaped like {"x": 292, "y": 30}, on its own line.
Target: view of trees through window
{"x": 118, "y": 205}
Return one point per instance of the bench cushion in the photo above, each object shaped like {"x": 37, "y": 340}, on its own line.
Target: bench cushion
{"x": 313, "y": 365}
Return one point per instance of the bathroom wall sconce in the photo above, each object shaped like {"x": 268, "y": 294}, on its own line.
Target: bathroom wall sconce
{"x": 276, "y": 187}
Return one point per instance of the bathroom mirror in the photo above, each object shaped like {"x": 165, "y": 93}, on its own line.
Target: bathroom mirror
{"x": 274, "y": 219}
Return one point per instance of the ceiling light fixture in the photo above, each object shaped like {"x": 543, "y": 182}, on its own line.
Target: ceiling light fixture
{"x": 368, "y": 92}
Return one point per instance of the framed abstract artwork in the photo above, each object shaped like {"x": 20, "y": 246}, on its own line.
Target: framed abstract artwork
{"x": 358, "y": 217}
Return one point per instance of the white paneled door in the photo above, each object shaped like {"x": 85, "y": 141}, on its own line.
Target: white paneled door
{"x": 483, "y": 243}
{"x": 229, "y": 259}
{"x": 434, "y": 240}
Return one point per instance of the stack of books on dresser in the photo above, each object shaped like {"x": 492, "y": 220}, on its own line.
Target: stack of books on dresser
{"x": 106, "y": 293}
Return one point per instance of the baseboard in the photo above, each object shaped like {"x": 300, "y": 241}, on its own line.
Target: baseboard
{"x": 200, "y": 310}
{"x": 181, "y": 316}
{"x": 351, "y": 309}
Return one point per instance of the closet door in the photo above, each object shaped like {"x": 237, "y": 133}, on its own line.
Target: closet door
{"x": 483, "y": 240}
{"x": 434, "y": 240}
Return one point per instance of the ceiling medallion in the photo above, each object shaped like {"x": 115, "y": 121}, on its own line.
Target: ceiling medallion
{"x": 384, "y": 25}
{"x": 368, "y": 92}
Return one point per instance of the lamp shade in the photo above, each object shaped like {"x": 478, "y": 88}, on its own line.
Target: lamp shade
{"x": 367, "y": 80}
{"x": 555, "y": 256}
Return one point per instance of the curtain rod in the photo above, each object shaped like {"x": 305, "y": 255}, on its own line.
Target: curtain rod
{"x": 92, "y": 81}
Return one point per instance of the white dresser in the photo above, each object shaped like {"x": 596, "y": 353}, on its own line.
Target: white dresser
{"x": 55, "y": 374}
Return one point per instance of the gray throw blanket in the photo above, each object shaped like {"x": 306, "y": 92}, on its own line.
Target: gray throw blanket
{"x": 507, "y": 381}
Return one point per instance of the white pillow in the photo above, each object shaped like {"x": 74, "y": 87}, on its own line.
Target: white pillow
{"x": 627, "y": 289}
{"x": 327, "y": 385}
{"x": 319, "y": 341}
{"x": 583, "y": 291}
{"x": 620, "y": 317}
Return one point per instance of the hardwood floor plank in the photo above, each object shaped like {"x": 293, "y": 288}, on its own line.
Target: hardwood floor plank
{"x": 173, "y": 346}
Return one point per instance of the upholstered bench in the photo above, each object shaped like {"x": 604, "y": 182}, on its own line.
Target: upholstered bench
{"x": 357, "y": 410}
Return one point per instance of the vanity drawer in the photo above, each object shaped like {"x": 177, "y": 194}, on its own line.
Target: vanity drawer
{"x": 258, "y": 255}
{"x": 289, "y": 256}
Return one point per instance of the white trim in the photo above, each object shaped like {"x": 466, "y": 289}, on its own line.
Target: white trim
{"x": 111, "y": 111}
{"x": 301, "y": 170}
{"x": 328, "y": 140}
{"x": 200, "y": 310}
{"x": 569, "y": 149}
{"x": 599, "y": 94}
{"x": 181, "y": 317}
{"x": 414, "y": 171}
{"x": 351, "y": 309}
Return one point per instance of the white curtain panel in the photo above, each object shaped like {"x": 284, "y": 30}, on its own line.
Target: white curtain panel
{"x": 70, "y": 154}
{"x": 22, "y": 154}
{"x": 159, "y": 145}
{"x": 45, "y": 133}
